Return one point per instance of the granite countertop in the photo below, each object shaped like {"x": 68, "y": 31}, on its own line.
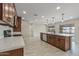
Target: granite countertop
{"x": 10, "y": 43}
{"x": 60, "y": 34}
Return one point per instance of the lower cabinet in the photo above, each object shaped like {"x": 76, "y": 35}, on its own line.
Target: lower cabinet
{"x": 57, "y": 42}
{"x": 15, "y": 52}
{"x": 62, "y": 42}
{"x": 50, "y": 39}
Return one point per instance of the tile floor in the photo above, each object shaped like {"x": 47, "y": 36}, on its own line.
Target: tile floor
{"x": 36, "y": 47}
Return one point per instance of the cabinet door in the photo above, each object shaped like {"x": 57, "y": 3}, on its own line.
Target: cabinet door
{"x": 57, "y": 42}
{"x": 10, "y": 10}
{"x": 67, "y": 43}
{"x": 49, "y": 39}
{"x": 62, "y": 43}
{"x": 1, "y": 14}
{"x": 7, "y": 13}
{"x": 53, "y": 40}
{"x": 17, "y": 27}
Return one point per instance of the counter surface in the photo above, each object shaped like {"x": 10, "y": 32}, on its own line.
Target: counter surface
{"x": 60, "y": 34}
{"x": 10, "y": 43}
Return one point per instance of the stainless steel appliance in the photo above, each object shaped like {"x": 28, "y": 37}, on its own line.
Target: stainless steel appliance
{"x": 7, "y": 33}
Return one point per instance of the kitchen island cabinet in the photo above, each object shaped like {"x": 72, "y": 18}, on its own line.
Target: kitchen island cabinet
{"x": 62, "y": 42}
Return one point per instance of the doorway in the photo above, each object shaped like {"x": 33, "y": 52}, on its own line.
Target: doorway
{"x": 36, "y": 29}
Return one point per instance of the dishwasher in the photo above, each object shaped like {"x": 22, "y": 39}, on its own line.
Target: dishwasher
{"x": 44, "y": 37}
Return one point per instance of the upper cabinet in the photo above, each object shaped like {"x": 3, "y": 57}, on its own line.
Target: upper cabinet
{"x": 7, "y": 13}
{"x": 17, "y": 27}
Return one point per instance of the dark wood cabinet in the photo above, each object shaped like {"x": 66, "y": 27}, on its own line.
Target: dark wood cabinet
{"x": 15, "y": 52}
{"x": 57, "y": 42}
{"x": 62, "y": 42}
{"x": 1, "y": 11}
{"x": 7, "y": 13}
{"x": 49, "y": 37}
{"x": 54, "y": 40}
{"x": 17, "y": 27}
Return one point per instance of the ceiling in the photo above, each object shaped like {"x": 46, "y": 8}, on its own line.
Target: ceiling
{"x": 43, "y": 12}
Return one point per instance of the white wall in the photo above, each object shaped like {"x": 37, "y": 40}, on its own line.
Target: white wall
{"x": 26, "y": 31}
{"x": 32, "y": 30}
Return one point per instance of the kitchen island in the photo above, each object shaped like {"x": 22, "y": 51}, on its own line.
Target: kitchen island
{"x": 12, "y": 46}
{"x": 61, "y": 41}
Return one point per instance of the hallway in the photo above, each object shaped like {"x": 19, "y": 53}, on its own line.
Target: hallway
{"x": 36, "y": 47}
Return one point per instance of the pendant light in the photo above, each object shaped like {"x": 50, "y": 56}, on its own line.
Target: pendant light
{"x": 53, "y": 19}
{"x": 62, "y": 17}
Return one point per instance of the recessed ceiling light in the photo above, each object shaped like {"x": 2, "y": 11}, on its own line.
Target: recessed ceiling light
{"x": 58, "y": 8}
{"x": 42, "y": 16}
{"x": 24, "y": 12}
{"x": 22, "y": 18}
